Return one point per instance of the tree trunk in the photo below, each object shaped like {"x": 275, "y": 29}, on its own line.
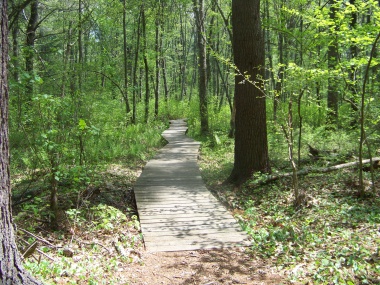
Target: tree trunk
{"x": 184, "y": 57}
{"x": 147, "y": 91}
{"x": 11, "y": 269}
{"x": 166, "y": 89}
{"x": 158, "y": 48}
{"x": 332, "y": 54}
{"x": 125, "y": 51}
{"x": 66, "y": 59}
{"x": 352, "y": 86}
{"x": 202, "y": 64}
{"x": 16, "y": 71}
{"x": 135, "y": 85}
{"x": 30, "y": 39}
{"x": 80, "y": 48}
{"x": 162, "y": 59}
{"x": 251, "y": 146}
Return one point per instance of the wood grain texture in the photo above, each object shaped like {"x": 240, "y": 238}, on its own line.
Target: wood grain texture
{"x": 176, "y": 210}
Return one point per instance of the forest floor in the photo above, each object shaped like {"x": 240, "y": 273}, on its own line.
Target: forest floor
{"x": 99, "y": 245}
{"x": 333, "y": 240}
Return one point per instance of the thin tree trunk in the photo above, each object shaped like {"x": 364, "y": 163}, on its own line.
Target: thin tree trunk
{"x": 280, "y": 75}
{"x": 80, "y": 48}
{"x": 30, "y": 40}
{"x": 125, "y": 52}
{"x": 202, "y": 64}
{"x": 183, "y": 59}
{"x": 288, "y": 132}
{"x": 16, "y": 66}
{"x": 135, "y": 86}
{"x": 158, "y": 48}
{"x": 66, "y": 59}
{"x": 332, "y": 54}
{"x": 352, "y": 73}
{"x": 363, "y": 137}
{"x": 147, "y": 91}
{"x": 166, "y": 89}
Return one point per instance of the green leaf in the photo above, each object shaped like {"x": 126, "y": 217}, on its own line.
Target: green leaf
{"x": 82, "y": 125}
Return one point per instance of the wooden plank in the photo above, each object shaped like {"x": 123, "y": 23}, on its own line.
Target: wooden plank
{"x": 181, "y": 247}
{"x": 167, "y": 192}
{"x": 182, "y": 215}
{"x": 180, "y": 224}
{"x": 160, "y": 211}
{"x": 196, "y": 231}
{"x": 170, "y": 211}
{"x": 189, "y": 239}
{"x": 176, "y": 202}
{"x": 149, "y": 212}
{"x": 172, "y": 184}
{"x": 173, "y": 181}
{"x": 231, "y": 227}
{"x": 158, "y": 208}
{"x": 156, "y": 197}
{"x": 175, "y": 219}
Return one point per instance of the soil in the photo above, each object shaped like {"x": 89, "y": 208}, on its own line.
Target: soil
{"x": 206, "y": 267}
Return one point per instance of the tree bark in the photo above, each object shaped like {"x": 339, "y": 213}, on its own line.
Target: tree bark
{"x": 30, "y": 39}
{"x": 125, "y": 52}
{"x": 332, "y": 54}
{"x": 11, "y": 269}
{"x": 147, "y": 91}
{"x": 158, "y": 48}
{"x": 135, "y": 85}
{"x": 202, "y": 64}
{"x": 251, "y": 146}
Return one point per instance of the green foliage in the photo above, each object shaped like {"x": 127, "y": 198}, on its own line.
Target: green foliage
{"x": 331, "y": 241}
{"x": 100, "y": 218}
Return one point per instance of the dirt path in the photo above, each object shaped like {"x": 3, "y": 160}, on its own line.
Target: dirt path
{"x": 214, "y": 267}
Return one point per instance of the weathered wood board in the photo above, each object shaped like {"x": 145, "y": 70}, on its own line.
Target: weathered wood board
{"x": 176, "y": 210}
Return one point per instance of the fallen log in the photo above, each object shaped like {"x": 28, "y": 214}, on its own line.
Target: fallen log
{"x": 306, "y": 171}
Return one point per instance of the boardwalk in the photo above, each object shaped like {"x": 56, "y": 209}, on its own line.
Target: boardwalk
{"x": 176, "y": 210}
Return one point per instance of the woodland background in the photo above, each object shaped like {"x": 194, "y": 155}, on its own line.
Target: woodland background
{"x": 94, "y": 83}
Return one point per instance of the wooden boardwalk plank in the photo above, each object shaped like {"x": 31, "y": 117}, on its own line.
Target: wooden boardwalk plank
{"x": 176, "y": 210}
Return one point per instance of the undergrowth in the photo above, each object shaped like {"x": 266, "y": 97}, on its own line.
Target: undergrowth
{"x": 333, "y": 240}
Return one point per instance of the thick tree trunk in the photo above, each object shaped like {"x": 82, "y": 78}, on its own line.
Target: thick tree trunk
{"x": 251, "y": 146}
{"x": 202, "y": 64}
{"x": 11, "y": 270}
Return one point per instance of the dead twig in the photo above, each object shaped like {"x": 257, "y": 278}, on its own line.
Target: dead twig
{"x": 39, "y": 238}
{"x": 272, "y": 178}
